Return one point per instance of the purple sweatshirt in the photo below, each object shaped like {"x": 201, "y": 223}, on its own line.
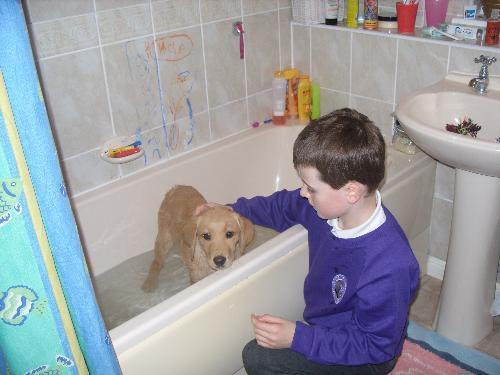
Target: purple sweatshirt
{"x": 357, "y": 291}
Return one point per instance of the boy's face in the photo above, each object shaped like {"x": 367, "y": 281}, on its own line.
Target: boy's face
{"x": 328, "y": 202}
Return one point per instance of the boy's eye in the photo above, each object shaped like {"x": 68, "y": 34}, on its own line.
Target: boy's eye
{"x": 206, "y": 236}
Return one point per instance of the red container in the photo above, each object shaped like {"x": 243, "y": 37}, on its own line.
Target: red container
{"x": 492, "y": 32}
{"x": 407, "y": 14}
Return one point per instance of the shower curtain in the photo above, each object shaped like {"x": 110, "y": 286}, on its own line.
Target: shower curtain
{"x": 49, "y": 319}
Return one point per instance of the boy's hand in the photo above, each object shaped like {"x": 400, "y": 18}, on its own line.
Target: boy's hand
{"x": 273, "y": 332}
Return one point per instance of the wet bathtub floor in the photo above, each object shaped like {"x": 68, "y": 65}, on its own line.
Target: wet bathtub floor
{"x": 119, "y": 290}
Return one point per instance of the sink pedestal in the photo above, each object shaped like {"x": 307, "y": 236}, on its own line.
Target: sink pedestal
{"x": 468, "y": 287}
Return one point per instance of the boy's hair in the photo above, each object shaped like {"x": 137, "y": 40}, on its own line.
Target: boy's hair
{"x": 343, "y": 146}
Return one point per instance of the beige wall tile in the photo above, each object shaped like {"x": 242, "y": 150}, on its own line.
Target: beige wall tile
{"x": 65, "y": 35}
{"x": 43, "y": 10}
{"x": 225, "y": 69}
{"x": 76, "y": 172}
{"x": 113, "y": 4}
{"x": 462, "y": 60}
{"x": 124, "y": 23}
{"x": 380, "y": 113}
{"x": 285, "y": 3}
{"x": 174, "y": 14}
{"x": 255, "y": 6}
{"x": 300, "y": 48}
{"x": 260, "y": 107}
{"x": 440, "y": 228}
{"x": 332, "y": 100}
{"x": 133, "y": 85}
{"x": 445, "y": 182}
{"x": 419, "y": 64}
{"x": 330, "y": 49}
{"x": 228, "y": 119}
{"x": 212, "y": 10}
{"x": 373, "y": 66}
{"x": 182, "y": 73}
{"x": 262, "y": 50}
{"x": 285, "y": 16}
{"x": 76, "y": 101}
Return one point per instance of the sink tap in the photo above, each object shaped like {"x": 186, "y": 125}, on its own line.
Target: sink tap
{"x": 480, "y": 83}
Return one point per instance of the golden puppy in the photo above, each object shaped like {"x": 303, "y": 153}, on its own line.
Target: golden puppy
{"x": 209, "y": 241}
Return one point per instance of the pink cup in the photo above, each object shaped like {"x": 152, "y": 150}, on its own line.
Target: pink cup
{"x": 435, "y": 12}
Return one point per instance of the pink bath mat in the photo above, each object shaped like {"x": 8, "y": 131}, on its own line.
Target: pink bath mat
{"x": 415, "y": 360}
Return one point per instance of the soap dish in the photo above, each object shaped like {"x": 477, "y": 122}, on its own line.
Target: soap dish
{"x": 120, "y": 150}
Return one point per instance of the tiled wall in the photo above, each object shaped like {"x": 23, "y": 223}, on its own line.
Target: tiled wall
{"x": 167, "y": 72}
{"x": 170, "y": 73}
{"x": 371, "y": 71}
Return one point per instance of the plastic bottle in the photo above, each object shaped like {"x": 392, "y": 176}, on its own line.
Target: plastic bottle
{"x": 279, "y": 98}
{"x": 341, "y": 14}
{"x": 315, "y": 101}
{"x": 352, "y": 13}
{"x": 371, "y": 14}
{"x": 292, "y": 76}
{"x": 331, "y": 12}
{"x": 304, "y": 98}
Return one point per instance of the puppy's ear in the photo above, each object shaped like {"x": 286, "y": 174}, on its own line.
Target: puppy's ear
{"x": 190, "y": 234}
{"x": 247, "y": 233}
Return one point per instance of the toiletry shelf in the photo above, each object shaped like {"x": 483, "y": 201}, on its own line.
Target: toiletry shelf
{"x": 393, "y": 33}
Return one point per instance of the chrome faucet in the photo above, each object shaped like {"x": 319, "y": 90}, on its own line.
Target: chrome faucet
{"x": 480, "y": 84}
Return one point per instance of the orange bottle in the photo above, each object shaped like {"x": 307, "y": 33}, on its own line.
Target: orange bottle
{"x": 292, "y": 76}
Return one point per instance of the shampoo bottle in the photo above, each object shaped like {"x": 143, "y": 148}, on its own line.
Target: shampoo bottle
{"x": 279, "y": 98}
{"x": 352, "y": 13}
{"x": 304, "y": 99}
{"x": 315, "y": 101}
{"x": 371, "y": 14}
{"x": 292, "y": 76}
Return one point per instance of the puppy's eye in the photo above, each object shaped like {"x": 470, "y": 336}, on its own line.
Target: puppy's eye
{"x": 229, "y": 234}
{"x": 206, "y": 236}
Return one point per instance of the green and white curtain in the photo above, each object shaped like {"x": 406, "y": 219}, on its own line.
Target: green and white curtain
{"x": 49, "y": 319}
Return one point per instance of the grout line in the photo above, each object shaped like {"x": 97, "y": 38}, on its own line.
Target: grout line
{"x": 310, "y": 53}
{"x": 160, "y": 89}
{"x": 395, "y": 82}
{"x": 245, "y": 55}
{"x": 106, "y": 84}
{"x": 448, "y": 60}
{"x": 205, "y": 72}
{"x": 349, "y": 102}
{"x": 292, "y": 57}
{"x": 279, "y": 36}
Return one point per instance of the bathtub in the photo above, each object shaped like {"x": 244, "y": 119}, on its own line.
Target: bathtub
{"x": 202, "y": 329}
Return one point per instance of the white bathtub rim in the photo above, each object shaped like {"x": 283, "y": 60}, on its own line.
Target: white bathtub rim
{"x": 142, "y": 326}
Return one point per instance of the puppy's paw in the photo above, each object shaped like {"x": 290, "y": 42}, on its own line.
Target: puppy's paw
{"x": 150, "y": 284}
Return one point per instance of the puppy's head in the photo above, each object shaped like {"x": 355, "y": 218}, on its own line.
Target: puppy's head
{"x": 222, "y": 235}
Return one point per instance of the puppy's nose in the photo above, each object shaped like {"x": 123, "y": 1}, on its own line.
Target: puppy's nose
{"x": 219, "y": 261}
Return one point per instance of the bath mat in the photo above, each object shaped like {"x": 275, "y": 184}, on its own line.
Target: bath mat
{"x": 427, "y": 352}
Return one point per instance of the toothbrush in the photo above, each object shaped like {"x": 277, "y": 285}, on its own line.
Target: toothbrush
{"x": 454, "y": 37}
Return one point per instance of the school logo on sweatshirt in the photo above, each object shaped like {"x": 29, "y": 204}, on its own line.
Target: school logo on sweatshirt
{"x": 339, "y": 286}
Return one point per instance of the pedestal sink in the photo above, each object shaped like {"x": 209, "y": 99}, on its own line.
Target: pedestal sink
{"x": 470, "y": 276}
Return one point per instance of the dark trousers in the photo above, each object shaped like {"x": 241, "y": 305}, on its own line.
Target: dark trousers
{"x": 263, "y": 361}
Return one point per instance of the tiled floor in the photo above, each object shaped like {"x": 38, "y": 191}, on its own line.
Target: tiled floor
{"x": 424, "y": 308}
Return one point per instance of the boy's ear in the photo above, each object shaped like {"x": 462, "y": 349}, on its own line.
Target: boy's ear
{"x": 355, "y": 191}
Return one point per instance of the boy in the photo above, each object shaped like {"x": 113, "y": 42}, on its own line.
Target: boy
{"x": 362, "y": 272}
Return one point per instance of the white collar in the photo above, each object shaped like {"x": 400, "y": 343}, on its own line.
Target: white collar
{"x": 376, "y": 219}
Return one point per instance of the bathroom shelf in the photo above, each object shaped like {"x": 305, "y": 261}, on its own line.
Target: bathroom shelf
{"x": 417, "y": 35}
